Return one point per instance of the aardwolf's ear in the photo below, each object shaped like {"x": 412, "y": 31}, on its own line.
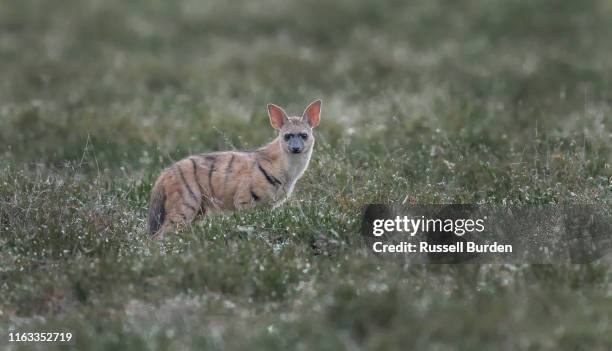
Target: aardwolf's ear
{"x": 312, "y": 114}
{"x": 278, "y": 117}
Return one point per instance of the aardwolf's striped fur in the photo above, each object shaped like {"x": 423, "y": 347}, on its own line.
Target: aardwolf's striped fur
{"x": 232, "y": 180}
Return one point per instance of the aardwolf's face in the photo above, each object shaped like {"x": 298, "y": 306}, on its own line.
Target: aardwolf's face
{"x": 296, "y": 132}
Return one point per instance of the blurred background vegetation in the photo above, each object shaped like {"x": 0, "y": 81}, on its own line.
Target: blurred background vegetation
{"x": 133, "y": 76}
{"x": 501, "y": 102}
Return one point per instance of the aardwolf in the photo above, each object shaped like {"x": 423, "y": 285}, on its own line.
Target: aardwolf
{"x": 235, "y": 180}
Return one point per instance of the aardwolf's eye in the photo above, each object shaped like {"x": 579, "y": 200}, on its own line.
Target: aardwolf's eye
{"x": 287, "y": 137}
{"x": 304, "y": 136}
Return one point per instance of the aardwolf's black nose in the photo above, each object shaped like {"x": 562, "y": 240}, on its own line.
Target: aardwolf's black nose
{"x": 296, "y": 150}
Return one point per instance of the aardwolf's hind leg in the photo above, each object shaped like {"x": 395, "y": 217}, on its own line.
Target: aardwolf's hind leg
{"x": 176, "y": 220}
{"x": 159, "y": 235}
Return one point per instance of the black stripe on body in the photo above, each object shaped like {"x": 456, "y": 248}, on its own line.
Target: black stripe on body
{"x": 195, "y": 176}
{"x": 193, "y": 195}
{"x": 211, "y": 169}
{"x": 228, "y": 169}
{"x": 270, "y": 178}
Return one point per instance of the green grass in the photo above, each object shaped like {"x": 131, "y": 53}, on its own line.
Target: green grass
{"x": 493, "y": 102}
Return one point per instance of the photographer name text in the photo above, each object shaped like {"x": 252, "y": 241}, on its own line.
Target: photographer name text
{"x": 413, "y": 226}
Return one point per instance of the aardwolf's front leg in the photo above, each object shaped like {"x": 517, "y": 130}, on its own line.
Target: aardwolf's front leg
{"x": 245, "y": 198}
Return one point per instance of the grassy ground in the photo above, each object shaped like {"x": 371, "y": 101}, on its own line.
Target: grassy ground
{"x": 497, "y": 102}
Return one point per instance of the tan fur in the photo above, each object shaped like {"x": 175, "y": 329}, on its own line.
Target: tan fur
{"x": 233, "y": 181}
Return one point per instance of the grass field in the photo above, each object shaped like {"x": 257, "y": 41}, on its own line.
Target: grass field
{"x": 492, "y": 102}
